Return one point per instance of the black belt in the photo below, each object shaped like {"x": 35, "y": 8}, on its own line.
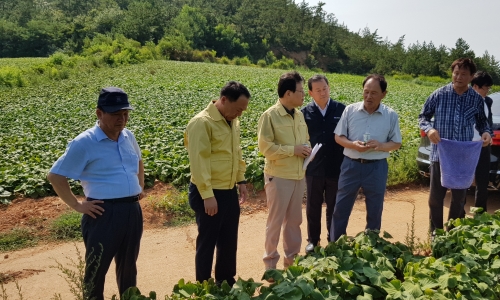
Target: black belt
{"x": 118, "y": 200}
{"x": 366, "y": 161}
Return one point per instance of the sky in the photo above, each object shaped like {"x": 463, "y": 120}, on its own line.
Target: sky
{"x": 439, "y": 21}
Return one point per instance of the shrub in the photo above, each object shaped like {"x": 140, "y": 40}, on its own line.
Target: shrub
{"x": 58, "y": 59}
{"x": 270, "y": 58}
{"x": 261, "y": 63}
{"x": 11, "y": 77}
{"x": 115, "y": 52}
{"x": 225, "y": 60}
{"x": 203, "y": 56}
{"x": 434, "y": 79}
{"x": 284, "y": 63}
{"x": 67, "y": 226}
{"x": 174, "y": 204}
{"x": 311, "y": 61}
{"x": 405, "y": 77}
{"x": 242, "y": 61}
{"x": 174, "y": 47}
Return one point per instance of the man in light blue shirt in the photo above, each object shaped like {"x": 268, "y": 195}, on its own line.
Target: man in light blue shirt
{"x": 367, "y": 130}
{"x": 107, "y": 160}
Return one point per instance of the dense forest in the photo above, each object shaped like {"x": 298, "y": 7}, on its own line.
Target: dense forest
{"x": 259, "y": 30}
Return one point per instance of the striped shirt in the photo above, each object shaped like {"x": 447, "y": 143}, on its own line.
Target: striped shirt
{"x": 454, "y": 115}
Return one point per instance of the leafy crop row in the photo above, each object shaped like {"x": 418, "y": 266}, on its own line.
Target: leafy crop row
{"x": 465, "y": 265}
{"x": 38, "y": 121}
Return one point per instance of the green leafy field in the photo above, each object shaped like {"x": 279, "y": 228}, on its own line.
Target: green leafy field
{"x": 465, "y": 264}
{"x": 37, "y": 121}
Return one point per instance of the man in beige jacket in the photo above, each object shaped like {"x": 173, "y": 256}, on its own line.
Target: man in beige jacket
{"x": 284, "y": 141}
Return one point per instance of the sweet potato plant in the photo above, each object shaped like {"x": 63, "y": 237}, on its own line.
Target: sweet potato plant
{"x": 465, "y": 265}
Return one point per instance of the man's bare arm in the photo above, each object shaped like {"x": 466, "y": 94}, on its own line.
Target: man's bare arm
{"x": 61, "y": 186}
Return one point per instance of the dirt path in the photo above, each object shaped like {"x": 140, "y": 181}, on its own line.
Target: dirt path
{"x": 167, "y": 255}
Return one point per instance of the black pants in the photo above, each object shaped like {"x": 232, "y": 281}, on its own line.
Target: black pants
{"x": 482, "y": 177}
{"x": 118, "y": 231}
{"x": 221, "y": 231}
{"x": 436, "y": 199}
{"x": 319, "y": 190}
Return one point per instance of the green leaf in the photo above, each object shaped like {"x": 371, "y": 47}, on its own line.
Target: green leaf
{"x": 446, "y": 281}
{"x": 294, "y": 294}
{"x": 392, "y": 287}
{"x": 306, "y": 288}
{"x": 412, "y": 289}
{"x": 283, "y": 288}
{"x": 273, "y": 274}
{"x": 387, "y": 235}
{"x": 427, "y": 283}
{"x": 374, "y": 276}
{"x": 496, "y": 264}
{"x": 293, "y": 271}
{"x": 316, "y": 295}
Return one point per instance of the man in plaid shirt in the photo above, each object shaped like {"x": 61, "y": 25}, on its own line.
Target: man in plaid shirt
{"x": 455, "y": 107}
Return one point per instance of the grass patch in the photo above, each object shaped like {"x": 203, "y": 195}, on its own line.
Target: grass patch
{"x": 175, "y": 205}
{"x": 67, "y": 226}
{"x": 17, "y": 238}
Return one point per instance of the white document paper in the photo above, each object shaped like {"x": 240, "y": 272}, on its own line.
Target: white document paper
{"x": 311, "y": 157}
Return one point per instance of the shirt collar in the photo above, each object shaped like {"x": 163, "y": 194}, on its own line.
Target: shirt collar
{"x": 100, "y": 135}
{"x": 326, "y": 107}
{"x": 379, "y": 109}
{"x": 466, "y": 93}
{"x": 213, "y": 112}
{"x": 281, "y": 108}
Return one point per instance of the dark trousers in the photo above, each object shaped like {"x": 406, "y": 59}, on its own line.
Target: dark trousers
{"x": 219, "y": 231}
{"x": 319, "y": 189}
{"x": 372, "y": 177}
{"x": 436, "y": 199}
{"x": 118, "y": 233}
{"x": 482, "y": 177}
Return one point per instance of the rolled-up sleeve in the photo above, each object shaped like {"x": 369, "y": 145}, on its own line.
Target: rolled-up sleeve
{"x": 197, "y": 142}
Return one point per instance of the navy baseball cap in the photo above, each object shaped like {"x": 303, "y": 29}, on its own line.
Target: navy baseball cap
{"x": 112, "y": 99}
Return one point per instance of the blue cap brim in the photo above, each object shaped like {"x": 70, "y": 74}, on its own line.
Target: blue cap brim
{"x": 115, "y": 108}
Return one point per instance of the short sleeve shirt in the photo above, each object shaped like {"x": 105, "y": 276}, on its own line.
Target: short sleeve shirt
{"x": 357, "y": 124}
{"x": 107, "y": 169}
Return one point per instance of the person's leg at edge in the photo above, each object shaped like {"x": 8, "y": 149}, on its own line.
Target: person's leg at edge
{"x": 374, "y": 184}
{"x": 278, "y": 198}
{"x": 99, "y": 251}
{"x": 128, "y": 252}
{"x": 292, "y": 236}
{"x": 227, "y": 242}
{"x": 436, "y": 197}
{"x": 349, "y": 184}
{"x": 457, "y": 205}
{"x": 332, "y": 186}
{"x": 314, "y": 204}
{"x": 208, "y": 227}
{"x": 482, "y": 178}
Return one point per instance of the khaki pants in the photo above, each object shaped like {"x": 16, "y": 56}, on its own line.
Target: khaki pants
{"x": 284, "y": 202}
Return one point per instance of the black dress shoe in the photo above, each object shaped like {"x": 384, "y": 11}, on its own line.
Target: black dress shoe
{"x": 310, "y": 248}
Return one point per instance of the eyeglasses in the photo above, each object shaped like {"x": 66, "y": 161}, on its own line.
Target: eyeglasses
{"x": 487, "y": 88}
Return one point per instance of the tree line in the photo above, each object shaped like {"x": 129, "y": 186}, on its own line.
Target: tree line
{"x": 259, "y": 30}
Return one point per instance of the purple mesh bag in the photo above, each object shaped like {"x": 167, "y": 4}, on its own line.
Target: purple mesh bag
{"x": 458, "y": 162}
